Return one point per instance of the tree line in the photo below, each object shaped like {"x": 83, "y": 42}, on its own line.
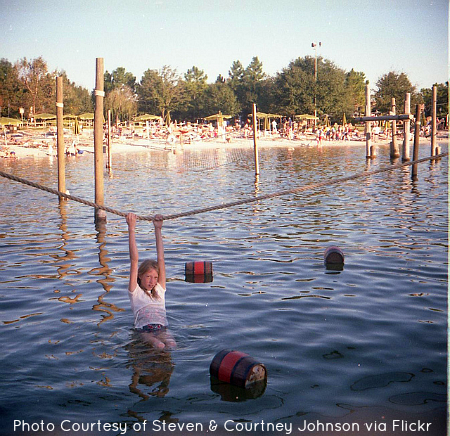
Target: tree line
{"x": 306, "y": 85}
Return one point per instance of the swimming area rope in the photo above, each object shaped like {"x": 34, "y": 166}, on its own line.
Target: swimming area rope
{"x": 253, "y": 199}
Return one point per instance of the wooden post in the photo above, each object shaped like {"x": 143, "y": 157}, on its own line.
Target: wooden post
{"x": 109, "y": 163}
{"x": 255, "y": 142}
{"x": 406, "y": 128}
{"x": 433, "y": 122}
{"x": 395, "y": 152}
{"x": 98, "y": 140}
{"x": 61, "y": 152}
{"x": 416, "y": 141}
{"x": 368, "y": 129}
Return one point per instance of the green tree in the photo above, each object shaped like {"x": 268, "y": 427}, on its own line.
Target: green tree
{"x": 252, "y": 85}
{"x": 220, "y": 97}
{"x": 294, "y": 87}
{"x": 122, "y": 103}
{"x": 118, "y": 78}
{"x": 236, "y": 76}
{"x": 268, "y": 97}
{"x": 38, "y": 82}
{"x": 332, "y": 98}
{"x": 195, "y": 86}
{"x": 442, "y": 99}
{"x": 394, "y": 85}
{"x": 11, "y": 90}
{"x": 77, "y": 100}
{"x": 160, "y": 92}
{"x": 355, "y": 91}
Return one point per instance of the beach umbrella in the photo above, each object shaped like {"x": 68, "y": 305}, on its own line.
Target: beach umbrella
{"x": 306, "y": 117}
{"x": 86, "y": 116}
{"x": 217, "y": 117}
{"x": 146, "y": 117}
{"x": 44, "y": 117}
{"x": 344, "y": 120}
{"x": 6, "y": 121}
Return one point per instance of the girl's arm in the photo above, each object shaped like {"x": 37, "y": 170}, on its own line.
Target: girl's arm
{"x": 134, "y": 256}
{"x": 158, "y": 222}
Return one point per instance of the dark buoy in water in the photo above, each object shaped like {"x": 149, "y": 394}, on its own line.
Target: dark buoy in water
{"x": 198, "y": 272}
{"x": 236, "y": 394}
{"x": 334, "y": 258}
{"x": 237, "y": 368}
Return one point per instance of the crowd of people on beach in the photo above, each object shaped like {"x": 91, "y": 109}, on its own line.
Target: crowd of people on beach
{"x": 283, "y": 129}
{"x": 180, "y": 133}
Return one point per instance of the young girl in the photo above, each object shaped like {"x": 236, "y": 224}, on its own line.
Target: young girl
{"x": 147, "y": 289}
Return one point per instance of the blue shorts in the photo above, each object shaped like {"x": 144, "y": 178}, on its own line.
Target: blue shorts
{"x": 152, "y": 328}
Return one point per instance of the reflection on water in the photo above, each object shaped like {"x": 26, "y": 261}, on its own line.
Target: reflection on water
{"x": 107, "y": 282}
{"x": 366, "y": 340}
{"x": 151, "y": 369}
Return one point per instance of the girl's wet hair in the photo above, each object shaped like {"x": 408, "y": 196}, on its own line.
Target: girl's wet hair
{"x": 145, "y": 266}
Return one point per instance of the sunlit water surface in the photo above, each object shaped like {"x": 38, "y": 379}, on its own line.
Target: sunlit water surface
{"x": 364, "y": 343}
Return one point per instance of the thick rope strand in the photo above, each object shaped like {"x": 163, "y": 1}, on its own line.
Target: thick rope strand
{"x": 67, "y": 196}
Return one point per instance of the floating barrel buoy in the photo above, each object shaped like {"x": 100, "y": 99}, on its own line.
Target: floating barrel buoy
{"x": 334, "y": 255}
{"x": 334, "y": 258}
{"x": 237, "y": 368}
{"x": 237, "y": 394}
{"x": 198, "y": 272}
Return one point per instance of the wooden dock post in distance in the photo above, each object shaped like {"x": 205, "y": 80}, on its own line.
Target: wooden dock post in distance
{"x": 394, "y": 151}
{"x": 109, "y": 161}
{"x": 406, "y": 128}
{"x": 255, "y": 144}
{"x": 433, "y": 122}
{"x": 416, "y": 141}
{"x": 61, "y": 151}
{"x": 368, "y": 128}
{"x": 100, "y": 215}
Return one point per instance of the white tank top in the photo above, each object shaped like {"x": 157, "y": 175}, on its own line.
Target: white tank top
{"x": 148, "y": 309}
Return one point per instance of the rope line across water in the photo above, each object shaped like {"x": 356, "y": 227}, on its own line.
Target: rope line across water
{"x": 223, "y": 205}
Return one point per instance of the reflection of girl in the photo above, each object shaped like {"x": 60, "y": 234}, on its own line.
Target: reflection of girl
{"x": 151, "y": 371}
{"x": 147, "y": 288}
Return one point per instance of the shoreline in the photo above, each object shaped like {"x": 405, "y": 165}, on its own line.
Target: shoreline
{"x": 44, "y": 148}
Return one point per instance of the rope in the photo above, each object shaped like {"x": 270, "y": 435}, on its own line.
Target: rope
{"x": 224, "y": 205}
{"x": 67, "y": 196}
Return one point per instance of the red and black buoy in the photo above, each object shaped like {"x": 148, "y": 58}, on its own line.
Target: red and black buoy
{"x": 237, "y": 368}
{"x": 198, "y": 272}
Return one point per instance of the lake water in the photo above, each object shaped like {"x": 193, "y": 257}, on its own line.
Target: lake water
{"x": 365, "y": 345}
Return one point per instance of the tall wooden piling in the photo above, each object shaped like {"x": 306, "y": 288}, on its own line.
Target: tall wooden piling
{"x": 406, "y": 129}
{"x": 394, "y": 150}
{"x": 61, "y": 152}
{"x": 255, "y": 144}
{"x": 434, "y": 122}
{"x": 109, "y": 162}
{"x": 100, "y": 215}
{"x": 368, "y": 128}
{"x": 416, "y": 141}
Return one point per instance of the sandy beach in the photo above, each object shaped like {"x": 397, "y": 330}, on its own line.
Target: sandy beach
{"x": 41, "y": 146}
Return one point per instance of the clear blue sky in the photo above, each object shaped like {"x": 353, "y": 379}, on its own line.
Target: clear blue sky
{"x": 374, "y": 37}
